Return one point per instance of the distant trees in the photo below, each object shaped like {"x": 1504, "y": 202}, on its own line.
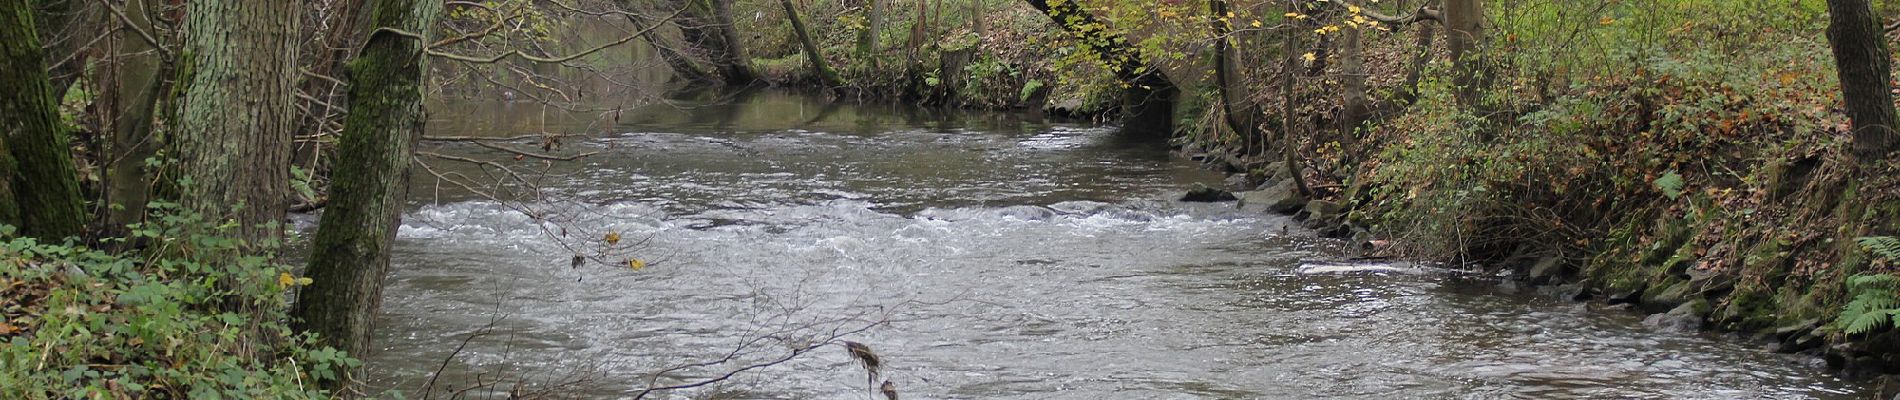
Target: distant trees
{"x": 39, "y": 190}
{"x": 1149, "y": 96}
{"x": 1862, "y": 59}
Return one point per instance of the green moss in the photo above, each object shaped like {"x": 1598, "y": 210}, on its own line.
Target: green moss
{"x": 1746, "y": 310}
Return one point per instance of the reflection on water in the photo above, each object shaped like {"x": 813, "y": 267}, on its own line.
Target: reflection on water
{"x": 1017, "y": 258}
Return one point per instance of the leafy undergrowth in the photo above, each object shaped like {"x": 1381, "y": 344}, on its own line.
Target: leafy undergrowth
{"x": 201, "y": 322}
{"x": 1669, "y": 158}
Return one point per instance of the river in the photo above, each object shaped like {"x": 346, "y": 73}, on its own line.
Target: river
{"x": 994, "y": 255}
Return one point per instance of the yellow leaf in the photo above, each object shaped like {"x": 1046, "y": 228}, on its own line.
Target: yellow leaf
{"x": 1256, "y": 24}
{"x": 305, "y": 281}
{"x": 1352, "y": 9}
{"x": 284, "y": 280}
{"x": 613, "y": 238}
{"x": 1309, "y": 57}
{"x": 636, "y": 264}
{"x": 1606, "y": 21}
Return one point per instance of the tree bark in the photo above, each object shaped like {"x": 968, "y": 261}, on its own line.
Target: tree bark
{"x": 235, "y": 120}
{"x": 1864, "y": 66}
{"x": 1239, "y": 119}
{"x": 707, "y": 25}
{"x": 1289, "y": 147}
{"x": 1421, "y": 56}
{"x": 369, "y": 187}
{"x": 44, "y": 189}
{"x": 1464, "y": 31}
{"x": 140, "y": 77}
{"x": 874, "y": 24}
{"x": 1352, "y": 67}
{"x": 1148, "y": 102}
{"x": 812, "y": 52}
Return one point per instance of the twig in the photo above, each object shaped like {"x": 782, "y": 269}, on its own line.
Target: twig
{"x": 496, "y": 139}
{"x": 127, "y": 21}
{"x": 552, "y": 60}
{"x": 535, "y": 155}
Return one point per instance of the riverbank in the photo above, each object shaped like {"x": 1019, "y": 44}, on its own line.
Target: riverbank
{"x": 1712, "y": 187}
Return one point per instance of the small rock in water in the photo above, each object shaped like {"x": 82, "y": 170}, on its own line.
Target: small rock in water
{"x": 1686, "y": 318}
{"x": 1205, "y": 194}
{"x": 1280, "y": 198}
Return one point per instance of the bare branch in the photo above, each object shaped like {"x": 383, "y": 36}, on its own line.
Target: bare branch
{"x": 533, "y": 154}
{"x": 552, "y": 60}
{"x": 147, "y": 36}
{"x": 496, "y": 139}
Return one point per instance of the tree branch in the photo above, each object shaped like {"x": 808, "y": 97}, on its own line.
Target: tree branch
{"x": 550, "y": 60}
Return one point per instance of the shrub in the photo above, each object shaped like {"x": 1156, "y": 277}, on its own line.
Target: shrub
{"x": 189, "y": 316}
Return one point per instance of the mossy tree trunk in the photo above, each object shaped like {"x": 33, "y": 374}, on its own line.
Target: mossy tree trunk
{"x": 1864, "y": 65}
{"x": 350, "y": 255}
{"x": 42, "y": 196}
{"x": 234, "y": 122}
{"x": 1148, "y": 102}
{"x": 813, "y": 53}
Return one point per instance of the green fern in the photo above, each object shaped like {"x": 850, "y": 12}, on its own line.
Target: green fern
{"x": 1887, "y": 247}
{"x": 1876, "y": 298}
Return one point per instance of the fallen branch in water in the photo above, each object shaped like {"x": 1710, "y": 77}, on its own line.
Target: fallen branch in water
{"x": 530, "y": 154}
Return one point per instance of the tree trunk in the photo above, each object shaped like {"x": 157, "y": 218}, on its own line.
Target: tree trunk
{"x": 707, "y": 25}
{"x": 812, "y": 53}
{"x": 140, "y": 77}
{"x": 1289, "y": 147}
{"x": 1421, "y": 56}
{"x": 1864, "y": 65}
{"x": 1464, "y": 31}
{"x": 683, "y": 68}
{"x": 1148, "y": 102}
{"x": 232, "y": 142}
{"x": 1353, "y": 87}
{"x": 369, "y": 187}
{"x": 43, "y": 185}
{"x": 874, "y": 24}
{"x": 1239, "y": 119}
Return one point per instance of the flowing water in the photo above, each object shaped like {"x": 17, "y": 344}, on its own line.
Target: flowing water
{"x": 999, "y": 256}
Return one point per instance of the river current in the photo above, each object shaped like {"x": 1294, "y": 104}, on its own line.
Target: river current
{"x": 979, "y": 255}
